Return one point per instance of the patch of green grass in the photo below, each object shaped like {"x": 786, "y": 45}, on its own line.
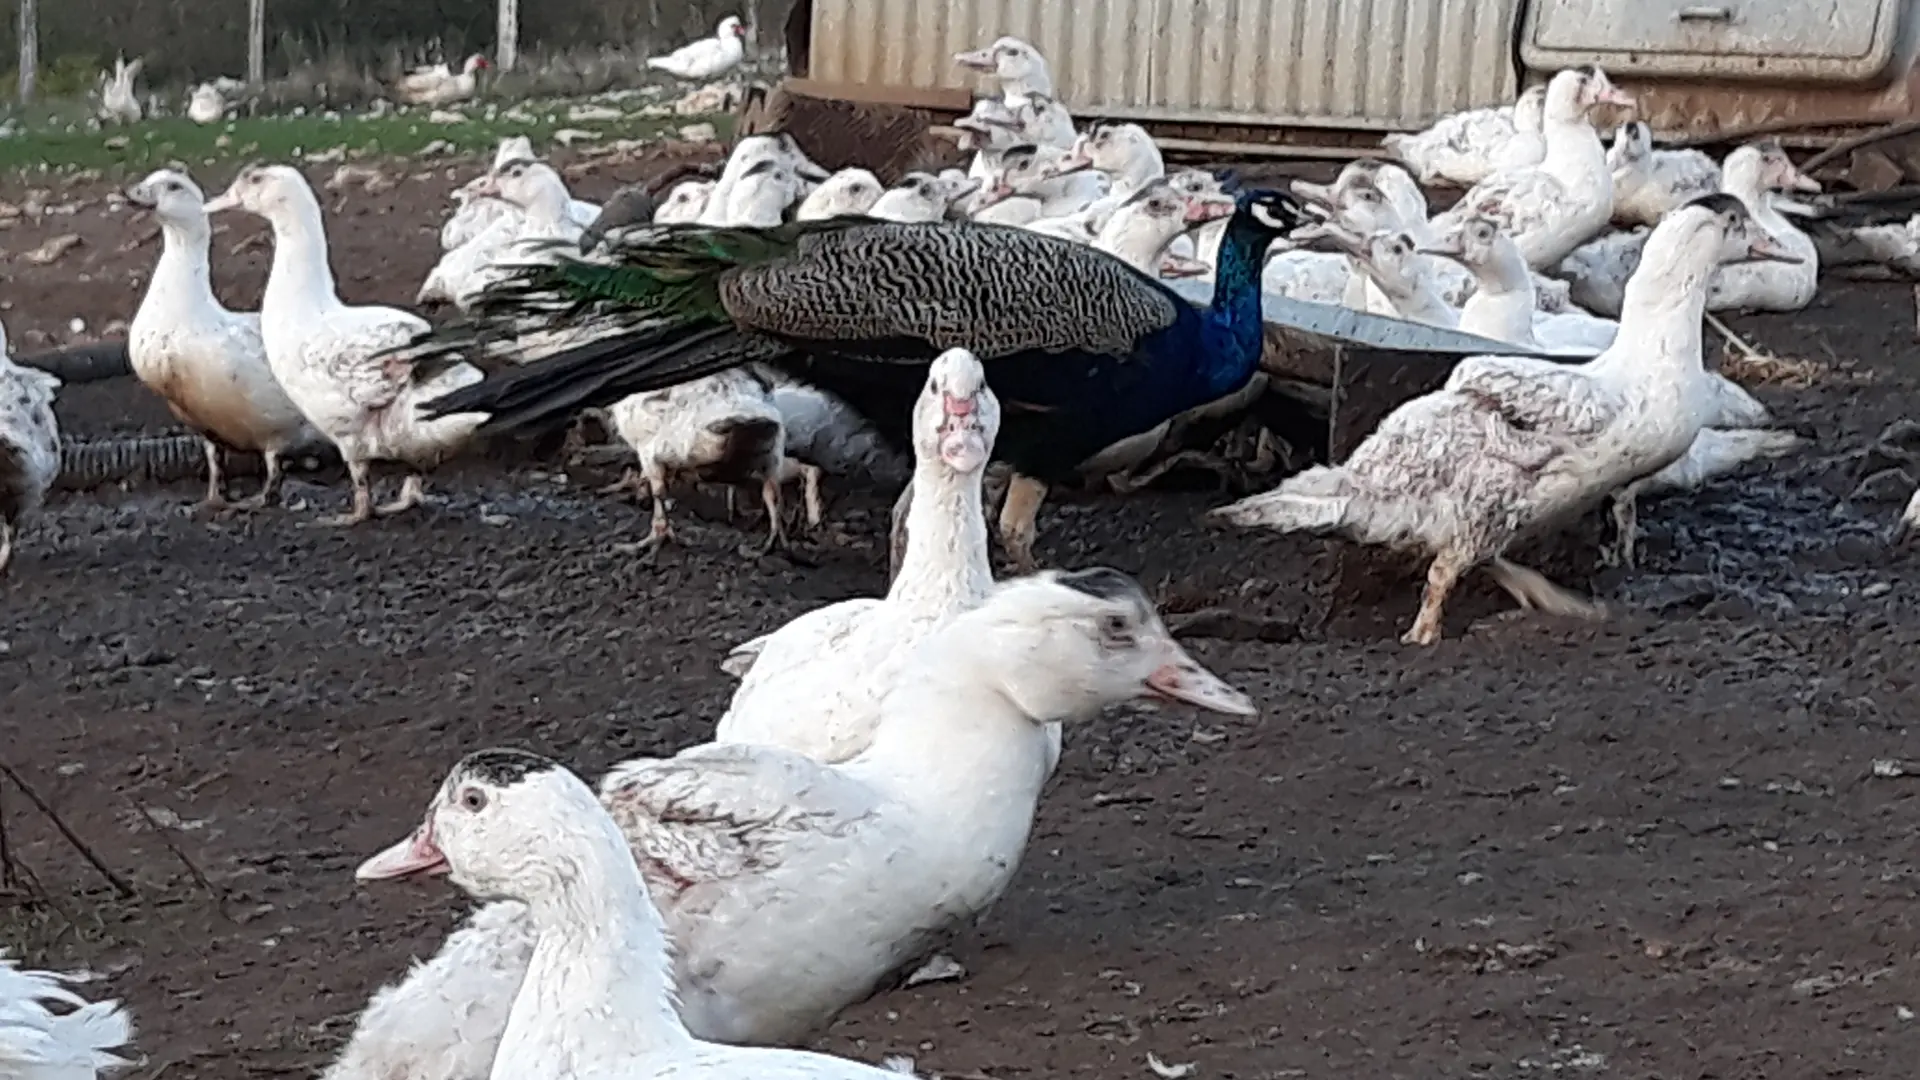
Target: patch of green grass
{"x": 56, "y": 146}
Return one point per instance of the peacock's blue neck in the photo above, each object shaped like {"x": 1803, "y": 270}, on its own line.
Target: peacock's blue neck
{"x": 1231, "y": 325}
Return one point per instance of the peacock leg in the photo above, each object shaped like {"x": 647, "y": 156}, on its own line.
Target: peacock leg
{"x": 1442, "y": 576}
{"x": 1536, "y": 592}
{"x": 897, "y": 535}
{"x": 6, "y": 546}
{"x": 359, "y": 473}
{"x": 269, "y": 493}
{"x": 413, "y": 492}
{"x": 1626, "y": 528}
{"x": 1017, "y": 524}
{"x": 216, "y": 478}
{"x": 776, "y": 522}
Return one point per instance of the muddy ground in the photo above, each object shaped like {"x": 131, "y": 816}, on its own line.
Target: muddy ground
{"x": 1677, "y": 844}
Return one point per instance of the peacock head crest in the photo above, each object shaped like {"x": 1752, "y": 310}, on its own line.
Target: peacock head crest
{"x": 1269, "y": 212}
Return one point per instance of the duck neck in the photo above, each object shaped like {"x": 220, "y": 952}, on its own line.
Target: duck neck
{"x": 184, "y": 275}
{"x": 1233, "y": 322}
{"x": 599, "y": 989}
{"x": 1574, "y": 155}
{"x": 300, "y": 275}
{"x": 1662, "y": 311}
{"x": 953, "y": 740}
{"x": 1127, "y": 240}
{"x": 946, "y": 558}
{"x": 1502, "y": 303}
{"x": 1142, "y": 167}
{"x": 548, "y": 212}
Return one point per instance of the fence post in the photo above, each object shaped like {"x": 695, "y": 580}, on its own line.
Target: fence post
{"x": 256, "y": 42}
{"x": 29, "y": 48}
{"x": 507, "y": 35}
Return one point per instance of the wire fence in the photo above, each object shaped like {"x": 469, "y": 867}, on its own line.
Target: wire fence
{"x": 184, "y": 41}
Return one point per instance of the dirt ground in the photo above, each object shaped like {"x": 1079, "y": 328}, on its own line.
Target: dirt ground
{"x": 1676, "y": 844}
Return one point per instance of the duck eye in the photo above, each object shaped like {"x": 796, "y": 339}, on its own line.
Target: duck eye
{"x": 473, "y": 800}
{"x": 1116, "y": 631}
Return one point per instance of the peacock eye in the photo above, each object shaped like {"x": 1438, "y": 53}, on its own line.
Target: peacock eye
{"x": 473, "y": 800}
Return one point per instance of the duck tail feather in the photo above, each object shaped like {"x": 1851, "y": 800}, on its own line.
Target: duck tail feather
{"x": 1316, "y": 500}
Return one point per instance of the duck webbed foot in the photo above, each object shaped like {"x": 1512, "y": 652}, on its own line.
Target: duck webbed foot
{"x": 269, "y": 493}
{"x": 1018, "y": 525}
{"x": 359, "y": 474}
{"x": 413, "y": 492}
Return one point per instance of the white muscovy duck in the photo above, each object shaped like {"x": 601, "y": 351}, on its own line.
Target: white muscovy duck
{"x": 474, "y": 212}
{"x": 1647, "y": 182}
{"x": 209, "y": 364}
{"x": 748, "y": 154}
{"x": 37, "y": 1043}
{"x": 905, "y": 843}
{"x": 329, "y": 356}
{"x": 598, "y": 997}
{"x": 29, "y": 445}
{"x": 814, "y": 686}
{"x": 707, "y": 58}
{"x": 1466, "y": 147}
{"x": 119, "y": 101}
{"x": 685, "y": 202}
{"x": 1509, "y": 448}
{"x": 1017, "y": 66}
{"x": 919, "y": 196}
{"x": 845, "y": 193}
{"x": 437, "y": 84}
{"x": 1551, "y": 208}
{"x": 206, "y": 105}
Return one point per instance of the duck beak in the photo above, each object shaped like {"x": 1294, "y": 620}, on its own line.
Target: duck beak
{"x": 993, "y": 196}
{"x": 486, "y": 187}
{"x": 1175, "y": 266}
{"x": 963, "y": 439}
{"x": 1181, "y": 678}
{"x": 977, "y": 60}
{"x": 1320, "y": 195}
{"x": 226, "y": 200}
{"x": 1802, "y": 182}
{"x": 416, "y": 856}
{"x": 1202, "y": 210}
{"x": 1613, "y": 95}
{"x": 1762, "y": 247}
{"x": 1446, "y": 246}
{"x": 963, "y": 191}
{"x": 138, "y": 195}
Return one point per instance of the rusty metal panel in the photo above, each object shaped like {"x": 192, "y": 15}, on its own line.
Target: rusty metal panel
{"x": 1368, "y": 64}
{"x": 1851, "y": 41}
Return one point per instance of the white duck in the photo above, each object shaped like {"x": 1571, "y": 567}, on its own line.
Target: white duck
{"x": 1506, "y": 449}
{"x": 473, "y": 212}
{"x": 1024, "y": 172}
{"x": 989, "y": 130}
{"x": 685, "y": 202}
{"x": 1125, "y": 153}
{"x": 1565, "y": 200}
{"x": 723, "y": 429}
{"x": 905, "y": 843}
{"x": 1752, "y": 174}
{"x": 119, "y": 102}
{"x": 1465, "y": 148}
{"x": 436, "y": 84}
{"x": 328, "y": 355}
{"x": 707, "y": 58}
{"x": 206, "y": 105}
{"x": 1647, "y": 182}
{"x": 1017, "y": 66}
{"x": 844, "y": 194}
{"x": 36, "y": 1043}
{"x": 919, "y": 196}
{"x": 748, "y": 154}
{"x": 759, "y": 198}
{"x": 598, "y": 997}
{"x": 29, "y": 445}
{"x": 1597, "y": 272}
{"x": 1044, "y": 121}
{"x": 814, "y": 686}
{"x": 1736, "y": 430}
{"x": 537, "y": 208}
{"x": 825, "y": 431}
{"x": 209, "y": 364}
{"x": 1502, "y": 306}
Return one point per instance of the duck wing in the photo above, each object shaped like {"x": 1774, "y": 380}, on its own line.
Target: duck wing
{"x": 721, "y": 811}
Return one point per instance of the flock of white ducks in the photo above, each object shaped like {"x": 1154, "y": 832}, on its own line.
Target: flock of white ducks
{"x": 649, "y": 930}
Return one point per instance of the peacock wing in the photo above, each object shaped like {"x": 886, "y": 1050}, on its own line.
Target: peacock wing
{"x": 994, "y": 290}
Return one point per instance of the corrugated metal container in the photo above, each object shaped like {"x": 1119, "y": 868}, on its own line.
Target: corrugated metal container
{"x": 1379, "y": 64}
{"x": 1847, "y": 41}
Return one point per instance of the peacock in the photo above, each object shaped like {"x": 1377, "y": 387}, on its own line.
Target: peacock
{"x": 1082, "y": 349}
